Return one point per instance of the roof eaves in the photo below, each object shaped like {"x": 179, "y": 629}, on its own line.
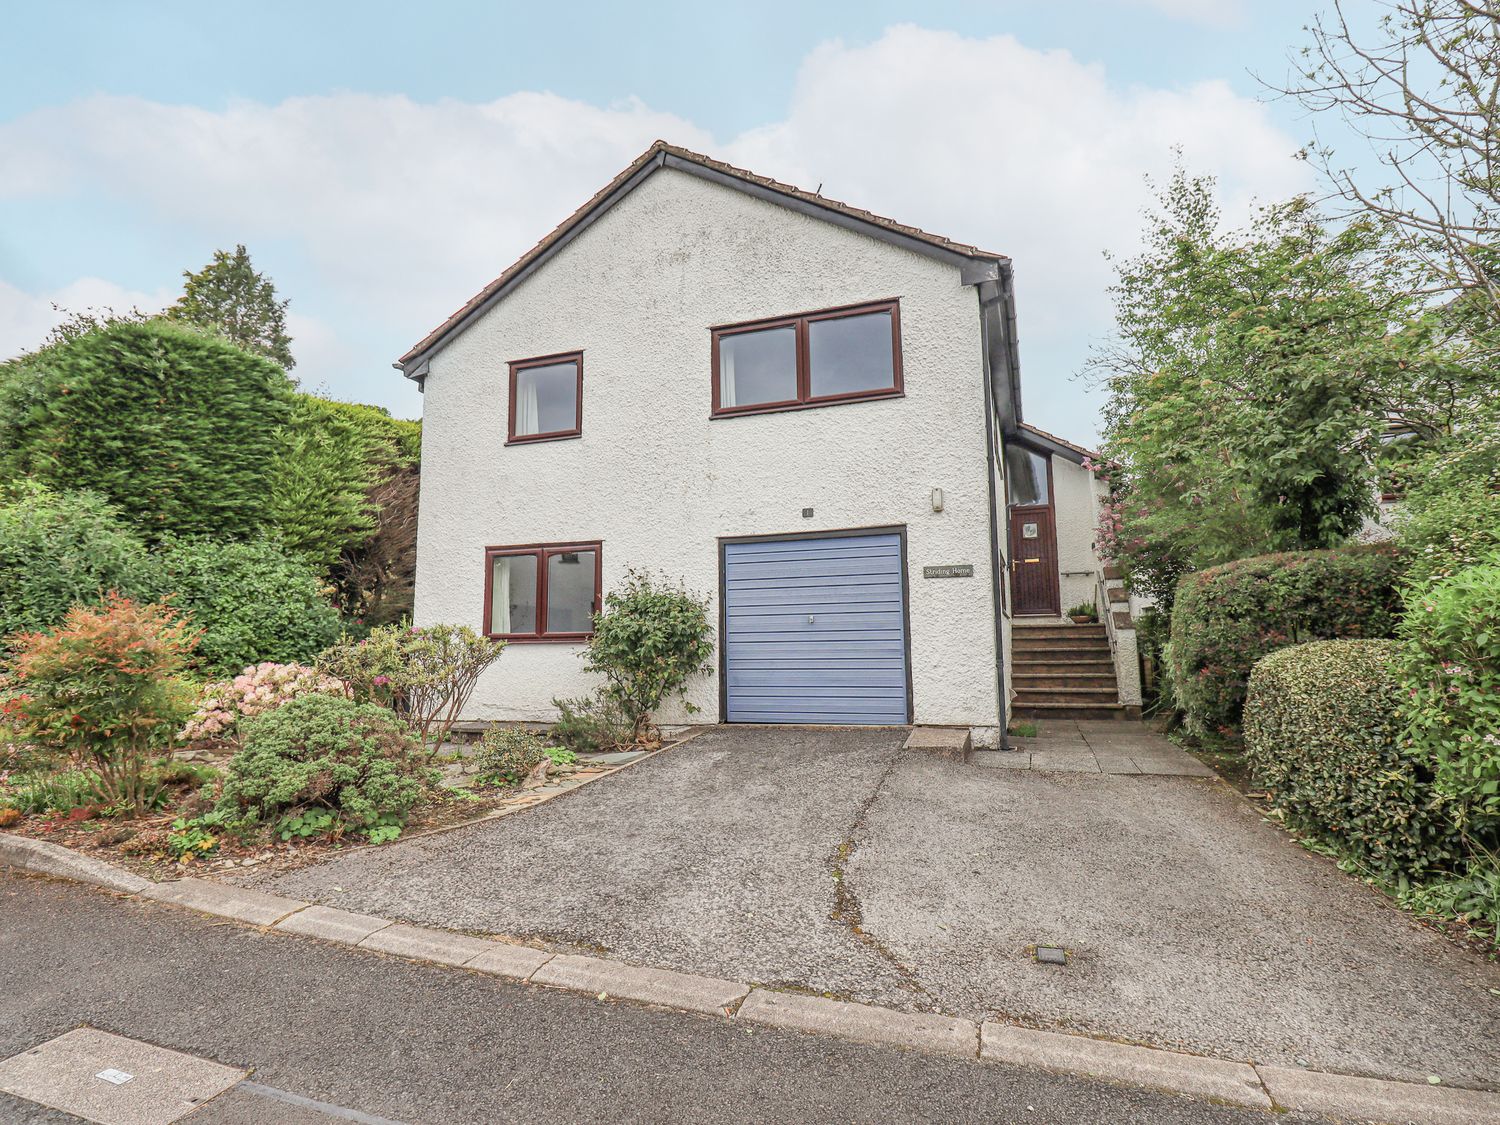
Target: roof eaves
{"x": 976, "y": 265}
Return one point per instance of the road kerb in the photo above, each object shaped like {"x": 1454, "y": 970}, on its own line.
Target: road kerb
{"x": 501, "y": 958}
{"x": 636, "y": 982}
{"x": 1222, "y": 1079}
{"x": 1341, "y": 1095}
{"x": 332, "y": 925}
{"x": 917, "y": 1031}
{"x": 422, "y": 944}
{"x": 42, "y": 858}
{"x": 239, "y": 903}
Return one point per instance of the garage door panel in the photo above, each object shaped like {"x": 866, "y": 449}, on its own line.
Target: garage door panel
{"x": 815, "y": 631}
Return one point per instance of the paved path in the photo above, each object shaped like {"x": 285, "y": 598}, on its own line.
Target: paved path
{"x": 1070, "y": 746}
{"x": 834, "y": 861}
{"x": 416, "y": 1043}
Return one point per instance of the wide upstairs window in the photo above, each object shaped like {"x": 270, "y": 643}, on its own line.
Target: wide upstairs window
{"x": 811, "y": 359}
{"x": 548, "y": 592}
{"x": 546, "y": 398}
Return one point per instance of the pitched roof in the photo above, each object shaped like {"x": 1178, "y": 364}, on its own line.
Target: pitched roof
{"x": 659, "y": 155}
{"x": 1059, "y": 445}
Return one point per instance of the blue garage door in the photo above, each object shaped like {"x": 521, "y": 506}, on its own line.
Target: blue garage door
{"x": 814, "y": 631}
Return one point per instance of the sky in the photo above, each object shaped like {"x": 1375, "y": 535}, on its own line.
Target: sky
{"x": 383, "y": 161}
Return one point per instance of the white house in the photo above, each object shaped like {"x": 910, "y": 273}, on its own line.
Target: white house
{"x": 805, "y": 410}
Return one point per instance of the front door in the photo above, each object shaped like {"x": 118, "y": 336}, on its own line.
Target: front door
{"x": 1034, "y": 584}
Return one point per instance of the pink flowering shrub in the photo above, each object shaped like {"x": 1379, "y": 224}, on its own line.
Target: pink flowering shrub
{"x": 259, "y": 688}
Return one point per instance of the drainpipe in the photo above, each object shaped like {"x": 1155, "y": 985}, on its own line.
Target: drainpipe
{"x": 993, "y": 310}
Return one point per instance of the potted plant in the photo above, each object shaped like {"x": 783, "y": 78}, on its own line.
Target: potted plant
{"x": 1084, "y": 613}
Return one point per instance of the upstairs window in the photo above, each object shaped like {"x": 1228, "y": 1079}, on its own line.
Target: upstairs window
{"x": 548, "y": 592}
{"x": 546, "y": 398}
{"x": 812, "y": 359}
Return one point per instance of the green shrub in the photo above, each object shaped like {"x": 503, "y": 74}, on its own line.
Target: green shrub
{"x": 1228, "y": 617}
{"x": 425, "y": 675}
{"x": 1452, "y": 704}
{"x": 62, "y": 791}
{"x": 507, "y": 755}
{"x": 253, "y": 601}
{"x": 178, "y": 429}
{"x": 595, "y": 724}
{"x": 104, "y": 690}
{"x": 60, "y": 549}
{"x": 319, "y": 500}
{"x": 1324, "y": 736}
{"x": 1450, "y": 516}
{"x": 646, "y": 644}
{"x": 355, "y": 760}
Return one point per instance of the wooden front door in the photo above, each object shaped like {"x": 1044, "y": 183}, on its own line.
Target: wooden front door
{"x": 1033, "y": 562}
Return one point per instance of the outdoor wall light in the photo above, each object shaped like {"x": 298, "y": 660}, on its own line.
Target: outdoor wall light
{"x": 937, "y": 499}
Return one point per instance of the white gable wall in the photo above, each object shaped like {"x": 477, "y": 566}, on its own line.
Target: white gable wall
{"x": 658, "y": 481}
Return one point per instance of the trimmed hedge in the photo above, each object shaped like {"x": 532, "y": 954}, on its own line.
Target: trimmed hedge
{"x": 178, "y": 430}
{"x": 1324, "y": 736}
{"x": 1228, "y": 617}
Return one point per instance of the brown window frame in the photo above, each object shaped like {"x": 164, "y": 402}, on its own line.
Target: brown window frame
{"x": 805, "y": 399}
{"x": 541, "y": 551}
{"x": 513, "y": 438}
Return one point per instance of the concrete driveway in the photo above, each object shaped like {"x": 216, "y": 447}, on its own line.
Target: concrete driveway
{"x": 834, "y": 861}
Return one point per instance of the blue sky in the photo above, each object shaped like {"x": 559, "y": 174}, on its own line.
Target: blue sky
{"x": 382, "y": 161}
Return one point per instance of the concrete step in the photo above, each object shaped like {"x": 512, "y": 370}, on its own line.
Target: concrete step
{"x": 946, "y": 742}
{"x": 1051, "y": 653}
{"x": 1044, "y": 711}
{"x": 1053, "y": 630}
{"x": 1109, "y": 694}
{"x": 1038, "y": 662}
{"x": 1028, "y": 682}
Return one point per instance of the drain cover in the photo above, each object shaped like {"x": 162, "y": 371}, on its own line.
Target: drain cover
{"x": 1051, "y": 955}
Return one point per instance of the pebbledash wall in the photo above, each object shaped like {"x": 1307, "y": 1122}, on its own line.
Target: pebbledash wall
{"x": 1075, "y": 509}
{"x": 659, "y": 482}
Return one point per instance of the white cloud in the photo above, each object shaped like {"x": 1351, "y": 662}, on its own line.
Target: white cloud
{"x": 399, "y": 211}
{"x": 26, "y": 318}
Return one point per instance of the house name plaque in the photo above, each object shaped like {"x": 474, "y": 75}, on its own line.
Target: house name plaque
{"x": 957, "y": 570}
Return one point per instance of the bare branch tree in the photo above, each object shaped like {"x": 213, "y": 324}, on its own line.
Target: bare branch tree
{"x": 1423, "y": 90}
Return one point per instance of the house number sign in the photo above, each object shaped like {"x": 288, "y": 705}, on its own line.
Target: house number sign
{"x": 958, "y": 570}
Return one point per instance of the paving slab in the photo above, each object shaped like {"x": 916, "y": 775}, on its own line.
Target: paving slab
{"x": 112, "y": 1080}
{"x": 1002, "y": 759}
{"x": 331, "y": 924}
{"x": 1231, "y": 1082}
{"x": 1064, "y": 761}
{"x": 636, "y": 982}
{"x": 918, "y": 1031}
{"x": 1344, "y": 1096}
{"x": 427, "y": 945}
{"x": 507, "y": 960}
{"x": 244, "y": 904}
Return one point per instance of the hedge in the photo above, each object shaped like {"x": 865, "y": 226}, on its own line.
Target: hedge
{"x": 178, "y": 430}
{"x": 1228, "y": 617}
{"x": 1324, "y": 735}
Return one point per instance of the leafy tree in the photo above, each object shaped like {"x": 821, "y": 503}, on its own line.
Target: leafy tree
{"x": 176, "y": 429}
{"x": 229, "y": 297}
{"x": 1249, "y": 381}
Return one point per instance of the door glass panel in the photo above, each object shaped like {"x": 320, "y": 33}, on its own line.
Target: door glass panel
{"x": 849, "y": 354}
{"x": 547, "y": 399}
{"x": 570, "y": 591}
{"x": 513, "y": 594}
{"x": 1026, "y": 475}
{"x": 758, "y": 367}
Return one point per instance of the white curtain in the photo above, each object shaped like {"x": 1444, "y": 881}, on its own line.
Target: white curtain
{"x": 727, "y": 396}
{"x": 500, "y": 591}
{"x": 528, "y": 420}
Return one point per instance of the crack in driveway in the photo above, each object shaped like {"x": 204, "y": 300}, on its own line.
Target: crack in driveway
{"x": 847, "y": 910}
